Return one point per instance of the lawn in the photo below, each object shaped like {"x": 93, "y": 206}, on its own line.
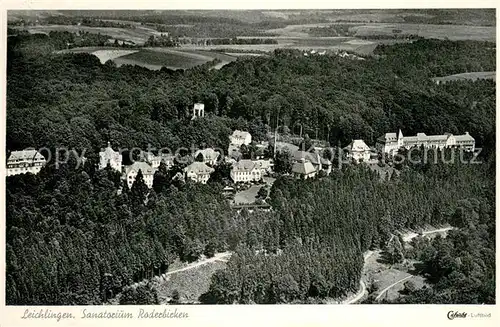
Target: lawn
{"x": 247, "y": 196}
{"x": 189, "y": 283}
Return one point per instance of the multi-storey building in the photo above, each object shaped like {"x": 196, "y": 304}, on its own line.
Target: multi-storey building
{"x": 155, "y": 160}
{"x": 198, "y": 172}
{"x": 209, "y": 155}
{"x": 238, "y": 138}
{"x": 358, "y": 151}
{"x": 390, "y": 142}
{"x": 114, "y": 158}
{"x": 147, "y": 173}
{"x": 246, "y": 171}
{"x": 319, "y": 163}
{"x": 303, "y": 169}
{"x": 25, "y": 161}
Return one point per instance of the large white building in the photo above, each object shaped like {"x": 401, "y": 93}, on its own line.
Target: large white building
{"x": 155, "y": 160}
{"x": 358, "y": 151}
{"x": 246, "y": 171}
{"x": 239, "y": 138}
{"x": 209, "y": 155}
{"x": 25, "y": 161}
{"x": 147, "y": 172}
{"x": 390, "y": 142}
{"x": 114, "y": 158}
{"x": 198, "y": 172}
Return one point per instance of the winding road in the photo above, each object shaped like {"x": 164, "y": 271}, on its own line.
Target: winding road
{"x": 362, "y": 290}
{"x": 407, "y": 238}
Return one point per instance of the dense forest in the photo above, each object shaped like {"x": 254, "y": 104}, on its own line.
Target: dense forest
{"x": 71, "y": 239}
{"x": 322, "y": 234}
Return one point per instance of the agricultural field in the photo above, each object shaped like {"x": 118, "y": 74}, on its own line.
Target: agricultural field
{"x": 156, "y": 58}
{"x": 452, "y": 32}
{"x": 137, "y": 35}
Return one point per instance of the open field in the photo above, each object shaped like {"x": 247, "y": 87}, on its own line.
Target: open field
{"x": 452, "y": 32}
{"x": 138, "y": 35}
{"x": 306, "y": 43}
{"x": 190, "y": 283}
{"x": 156, "y": 58}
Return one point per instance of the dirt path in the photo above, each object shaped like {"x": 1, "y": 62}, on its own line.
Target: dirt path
{"x": 409, "y": 236}
{"x": 368, "y": 254}
{"x": 217, "y": 257}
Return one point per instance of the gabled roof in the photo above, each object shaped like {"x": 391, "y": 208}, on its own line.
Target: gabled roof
{"x": 199, "y": 168}
{"x": 145, "y": 168}
{"x": 388, "y": 137}
{"x": 303, "y": 168}
{"x": 109, "y": 153}
{"x": 357, "y": 145}
{"x": 244, "y": 166}
{"x": 208, "y": 154}
{"x": 26, "y": 155}
{"x": 464, "y": 137}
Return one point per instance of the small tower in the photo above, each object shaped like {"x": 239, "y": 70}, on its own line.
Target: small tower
{"x": 400, "y": 139}
{"x": 198, "y": 110}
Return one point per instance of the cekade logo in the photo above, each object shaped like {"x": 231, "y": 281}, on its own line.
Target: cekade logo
{"x": 455, "y": 314}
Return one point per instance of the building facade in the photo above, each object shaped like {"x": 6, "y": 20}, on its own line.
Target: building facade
{"x": 239, "y": 138}
{"x": 390, "y": 142}
{"x": 147, "y": 172}
{"x": 25, "y": 161}
{"x": 198, "y": 172}
{"x": 114, "y": 158}
{"x": 246, "y": 171}
{"x": 210, "y": 156}
{"x": 358, "y": 151}
{"x": 155, "y": 160}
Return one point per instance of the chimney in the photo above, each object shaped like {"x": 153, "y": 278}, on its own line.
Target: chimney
{"x": 466, "y": 133}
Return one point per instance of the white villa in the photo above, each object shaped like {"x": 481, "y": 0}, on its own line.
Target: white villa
{"x": 25, "y": 161}
{"x": 198, "y": 172}
{"x": 147, "y": 172}
{"x": 358, "y": 151}
{"x": 112, "y": 157}
{"x": 210, "y": 156}
{"x": 246, "y": 171}
{"x": 303, "y": 169}
{"x": 155, "y": 160}
{"x": 239, "y": 138}
{"x": 391, "y": 143}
